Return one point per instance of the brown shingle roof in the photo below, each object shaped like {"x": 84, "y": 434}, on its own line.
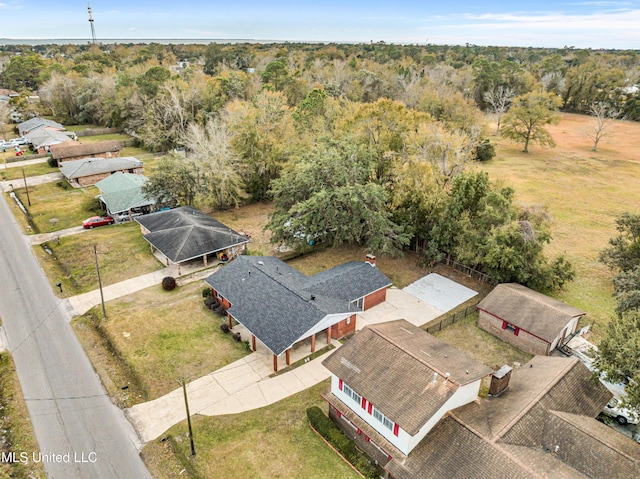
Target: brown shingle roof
{"x": 63, "y": 151}
{"x": 452, "y": 451}
{"x": 393, "y": 364}
{"x": 529, "y": 310}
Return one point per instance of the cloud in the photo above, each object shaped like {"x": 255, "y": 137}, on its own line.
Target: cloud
{"x": 132, "y": 29}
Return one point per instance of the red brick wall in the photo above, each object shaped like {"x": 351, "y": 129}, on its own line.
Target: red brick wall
{"x": 375, "y": 298}
{"x": 524, "y": 340}
{"x": 341, "y": 329}
{"x": 225, "y": 303}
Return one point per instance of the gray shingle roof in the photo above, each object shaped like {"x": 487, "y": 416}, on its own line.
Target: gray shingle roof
{"x": 37, "y": 122}
{"x": 274, "y": 301}
{"x": 534, "y": 312}
{"x": 393, "y": 364}
{"x": 123, "y": 191}
{"x": 186, "y": 233}
{"x": 350, "y": 281}
{"x": 43, "y": 137}
{"x": 95, "y": 166}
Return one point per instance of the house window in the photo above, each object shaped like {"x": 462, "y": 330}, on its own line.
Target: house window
{"x": 511, "y": 328}
{"x": 386, "y": 422}
{"x": 352, "y": 394}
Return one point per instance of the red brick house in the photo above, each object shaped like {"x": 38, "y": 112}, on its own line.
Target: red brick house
{"x": 280, "y": 306}
{"x": 527, "y": 319}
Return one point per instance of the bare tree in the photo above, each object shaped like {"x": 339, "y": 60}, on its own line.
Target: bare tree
{"x": 5, "y": 111}
{"x": 499, "y": 99}
{"x": 603, "y": 116}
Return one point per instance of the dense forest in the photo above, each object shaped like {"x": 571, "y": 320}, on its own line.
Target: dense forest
{"x": 354, "y": 143}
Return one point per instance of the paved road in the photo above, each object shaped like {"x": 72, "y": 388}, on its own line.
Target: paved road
{"x": 70, "y": 410}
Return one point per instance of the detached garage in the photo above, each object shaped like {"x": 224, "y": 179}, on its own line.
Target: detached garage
{"x": 527, "y": 319}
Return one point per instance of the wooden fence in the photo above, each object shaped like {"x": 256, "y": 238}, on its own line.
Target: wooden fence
{"x": 98, "y": 131}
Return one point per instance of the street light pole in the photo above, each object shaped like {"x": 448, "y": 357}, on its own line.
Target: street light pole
{"x": 104, "y": 311}
{"x": 26, "y": 187}
{"x": 186, "y": 403}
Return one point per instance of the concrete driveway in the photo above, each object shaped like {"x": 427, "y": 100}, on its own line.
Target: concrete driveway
{"x": 440, "y": 292}
{"x": 399, "y": 305}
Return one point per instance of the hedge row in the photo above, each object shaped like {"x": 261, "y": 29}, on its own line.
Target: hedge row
{"x": 342, "y": 443}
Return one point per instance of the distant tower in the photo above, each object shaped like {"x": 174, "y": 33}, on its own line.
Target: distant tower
{"x": 93, "y": 31}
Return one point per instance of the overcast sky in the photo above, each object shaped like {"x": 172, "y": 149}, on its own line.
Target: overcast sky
{"x": 582, "y": 24}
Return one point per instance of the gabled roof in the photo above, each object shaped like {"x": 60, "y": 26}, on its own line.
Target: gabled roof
{"x": 186, "y": 233}
{"x": 550, "y": 402}
{"x": 280, "y": 305}
{"x": 43, "y": 137}
{"x": 529, "y": 310}
{"x": 394, "y": 365}
{"x": 123, "y": 191}
{"x": 95, "y": 166}
{"x": 63, "y": 151}
{"x": 37, "y": 122}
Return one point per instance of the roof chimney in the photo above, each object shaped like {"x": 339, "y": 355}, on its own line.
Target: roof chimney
{"x": 370, "y": 259}
{"x": 500, "y": 381}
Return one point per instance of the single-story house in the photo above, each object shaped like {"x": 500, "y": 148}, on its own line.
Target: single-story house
{"x": 36, "y": 123}
{"x": 42, "y": 139}
{"x": 279, "y": 306}
{"x": 186, "y": 233}
{"x": 412, "y": 404}
{"x": 122, "y": 196}
{"x": 89, "y": 171}
{"x": 77, "y": 151}
{"x": 527, "y": 319}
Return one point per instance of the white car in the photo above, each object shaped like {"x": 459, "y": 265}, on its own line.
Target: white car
{"x": 620, "y": 414}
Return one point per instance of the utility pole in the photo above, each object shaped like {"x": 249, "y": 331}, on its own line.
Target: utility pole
{"x": 186, "y": 403}
{"x": 93, "y": 31}
{"x": 26, "y": 187}
{"x": 104, "y": 311}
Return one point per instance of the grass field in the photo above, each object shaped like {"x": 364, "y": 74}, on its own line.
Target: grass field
{"x": 17, "y": 433}
{"x": 275, "y": 441}
{"x": 97, "y": 138}
{"x": 15, "y": 173}
{"x": 122, "y": 254}
{"x": 59, "y": 201}
{"x": 583, "y": 191}
{"x": 163, "y": 336}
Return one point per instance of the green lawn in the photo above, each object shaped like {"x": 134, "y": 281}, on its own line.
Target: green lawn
{"x": 274, "y": 441}
{"x": 122, "y": 254}
{"x": 97, "y": 138}
{"x": 15, "y": 173}
{"x": 162, "y": 336}
{"x": 583, "y": 192}
{"x": 77, "y": 128}
{"x": 69, "y": 206}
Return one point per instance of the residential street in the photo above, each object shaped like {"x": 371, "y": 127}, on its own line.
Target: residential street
{"x": 70, "y": 411}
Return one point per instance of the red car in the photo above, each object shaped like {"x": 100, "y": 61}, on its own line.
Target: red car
{"x": 96, "y": 221}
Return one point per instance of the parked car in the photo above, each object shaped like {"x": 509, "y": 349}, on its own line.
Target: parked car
{"x": 96, "y": 221}
{"x": 620, "y": 414}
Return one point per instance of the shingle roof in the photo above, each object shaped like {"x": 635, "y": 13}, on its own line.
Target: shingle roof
{"x": 123, "y": 191}
{"x": 393, "y": 365}
{"x": 185, "y": 233}
{"x": 43, "y": 137}
{"x": 452, "y": 451}
{"x": 349, "y": 281}
{"x": 67, "y": 151}
{"x": 280, "y": 305}
{"x": 534, "y": 312}
{"x": 37, "y": 122}
{"x": 95, "y": 166}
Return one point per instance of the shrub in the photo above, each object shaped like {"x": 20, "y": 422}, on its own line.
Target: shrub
{"x": 169, "y": 283}
{"x": 237, "y": 337}
{"x": 484, "y": 151}
{"x": 345, "y": 446}
{"x": 206, "y": 293}
{"x": 224, "y": 327}
{"x": 92, "y": 205}
{"x": 52, "y": 162}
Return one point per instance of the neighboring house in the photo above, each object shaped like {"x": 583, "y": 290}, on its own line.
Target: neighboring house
{"x": 122, "y": 196}
{"x": 527, "y": 319}
{"x": 42, "y": 139}
{"x": 36, "y": 123}
{"x": 77, "y": 151}
{"x": 540, "y": 425}
{"x": 393, "y": 382}
{"x": 89, "y": 171}
{"x": 186, "y": 233}
{"x": 279, "y": 306}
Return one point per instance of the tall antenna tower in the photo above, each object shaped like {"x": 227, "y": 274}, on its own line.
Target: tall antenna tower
{"x": 93, "y": 31}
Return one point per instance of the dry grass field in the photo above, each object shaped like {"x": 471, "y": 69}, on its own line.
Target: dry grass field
{"x": 583, "y": 192}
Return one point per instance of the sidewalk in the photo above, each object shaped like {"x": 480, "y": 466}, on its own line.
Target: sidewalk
{"x": 240, "y": 386}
